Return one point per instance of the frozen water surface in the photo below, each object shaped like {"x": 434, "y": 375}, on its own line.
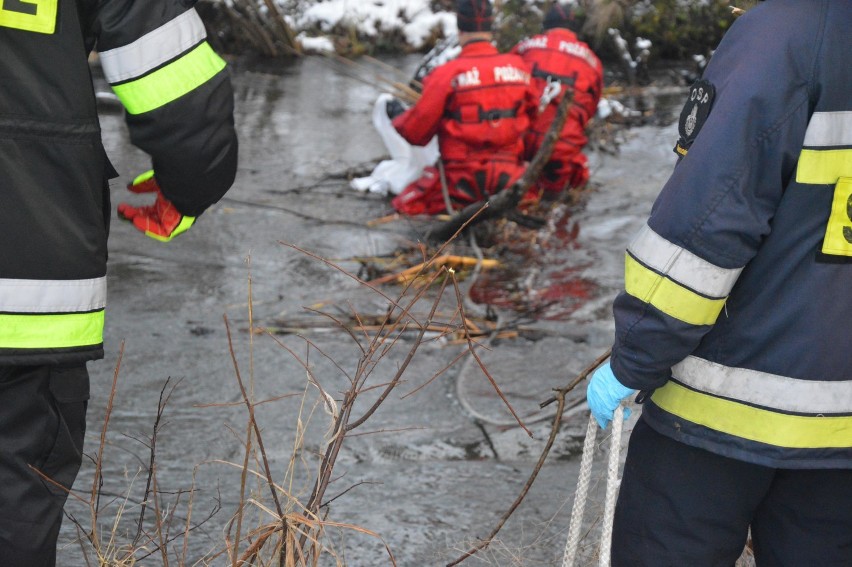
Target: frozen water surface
{"x": 444, "y": 463}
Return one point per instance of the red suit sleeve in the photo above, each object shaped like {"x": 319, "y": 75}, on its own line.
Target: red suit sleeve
{"x": 420, "y": 122}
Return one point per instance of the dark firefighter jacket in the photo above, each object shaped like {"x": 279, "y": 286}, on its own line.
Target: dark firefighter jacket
{"x": 478, "y": 104}
{"x": 737, "y": 304}
{"x": 54, "y": 197}
{"x": 557, "y": 56}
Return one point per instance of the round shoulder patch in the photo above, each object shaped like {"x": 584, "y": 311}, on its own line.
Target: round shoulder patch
{"x": 694, "y": 114}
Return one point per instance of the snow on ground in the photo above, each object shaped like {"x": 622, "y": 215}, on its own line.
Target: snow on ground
{"x": 414, "y": 19}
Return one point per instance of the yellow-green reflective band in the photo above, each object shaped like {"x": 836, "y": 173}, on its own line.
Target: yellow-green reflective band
{"x": 154, "y": 49}
{"x": 824, "y": 167}
{"x": 680, "y": 265}
{"x": 142, "y": 177}
{"x": 669, "y": 297}
{"x": 170, "y": 82}
{"x": 43, "y": 20}
{"x": 747, "y": 422}
{"x": 182, "y": 226}
{"x": 52, "y": 331}
{"x": 838, "y": 232}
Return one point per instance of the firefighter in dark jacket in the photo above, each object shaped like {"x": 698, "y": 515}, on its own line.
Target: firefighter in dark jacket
{"x": 734, "y": 325}
{"x": 54, "y": 216}
{"x": 479, "y": 105}
{"x": 561, "y": 63}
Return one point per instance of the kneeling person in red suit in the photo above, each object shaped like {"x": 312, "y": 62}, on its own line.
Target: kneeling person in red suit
{"x": 479, "y": 105}
{"x": 561, "y": 63}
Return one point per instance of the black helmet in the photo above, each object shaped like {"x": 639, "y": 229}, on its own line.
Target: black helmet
{"x": 562, "y": 16}
{"x": 474, "y": 15}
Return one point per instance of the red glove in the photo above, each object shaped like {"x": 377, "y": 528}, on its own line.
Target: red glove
{"x": 161, "y": 221}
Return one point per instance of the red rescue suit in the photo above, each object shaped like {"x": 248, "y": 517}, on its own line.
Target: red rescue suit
{"x": 479, "y": 105}
{"x": 557, "y": 57}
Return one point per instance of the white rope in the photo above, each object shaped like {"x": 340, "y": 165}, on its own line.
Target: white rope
{"x": 581, "y": 495}
{"x": 612, "y": 484}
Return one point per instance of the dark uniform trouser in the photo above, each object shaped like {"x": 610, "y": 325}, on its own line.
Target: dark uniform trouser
{"x": 42, "y": 423}
{"x": 680, "y": 506}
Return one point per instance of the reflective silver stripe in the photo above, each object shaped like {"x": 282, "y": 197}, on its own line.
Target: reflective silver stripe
{"x": 829, "y": 129}
{"x": 52, "y": 296}
{"x": 764, "y": 389}
{"x": 154, "y": 48}
{"x": 681, "y": 265}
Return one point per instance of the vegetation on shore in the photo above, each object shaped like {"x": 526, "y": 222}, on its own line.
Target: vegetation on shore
{"x": 676, "y": 29}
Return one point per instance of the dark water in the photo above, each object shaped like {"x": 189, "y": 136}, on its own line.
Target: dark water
{"x": 441, "y": 465}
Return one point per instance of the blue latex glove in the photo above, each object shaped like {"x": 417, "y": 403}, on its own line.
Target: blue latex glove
{"x": 605, "y": 393}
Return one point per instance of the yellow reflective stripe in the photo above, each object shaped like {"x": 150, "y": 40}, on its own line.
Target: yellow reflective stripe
{"x": 171, "y": 82}
{"x": 142, "y": 177}
{"x": 183, "y": 226}
{"x": 51, "y": 331}
{"x": 747, "y": 422}
{"x": 838, "y": 232}
{"x": 42, "y": 21}
{"x": 669, "y": 297}
{"x": 681, "y": 265}
{"x": 824, "y": 167}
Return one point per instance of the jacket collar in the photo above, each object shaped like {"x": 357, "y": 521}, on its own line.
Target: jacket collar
{"x": 478, "y": 47}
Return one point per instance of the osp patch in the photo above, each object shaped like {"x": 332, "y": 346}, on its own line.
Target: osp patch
{"x": 694, "y": 114}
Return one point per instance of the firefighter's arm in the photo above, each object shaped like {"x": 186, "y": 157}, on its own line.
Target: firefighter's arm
{"x": 179, "y": 102}
{"x": 419, "y": 124}
{"x": 741, "y": 131}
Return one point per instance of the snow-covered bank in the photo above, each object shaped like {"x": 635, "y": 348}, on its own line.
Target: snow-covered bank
{"x": 414, "y": 20}
{"x": 675, "y": 28}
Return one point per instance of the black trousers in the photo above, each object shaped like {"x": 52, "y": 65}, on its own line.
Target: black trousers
{"x": 42, "y": 425}
{"x": 680, "y": 506}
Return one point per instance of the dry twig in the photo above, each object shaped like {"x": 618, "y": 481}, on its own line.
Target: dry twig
{"x": 559, "y": 398}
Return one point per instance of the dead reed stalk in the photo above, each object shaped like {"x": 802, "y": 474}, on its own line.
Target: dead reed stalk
{"x": 114, "y": 547}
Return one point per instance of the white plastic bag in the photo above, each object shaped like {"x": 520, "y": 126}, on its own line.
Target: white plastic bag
{"x": 406, "y": 162}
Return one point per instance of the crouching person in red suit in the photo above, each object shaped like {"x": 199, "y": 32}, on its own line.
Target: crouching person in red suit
{"x": 560, "y": 63}
{"x": 479, "y": 105}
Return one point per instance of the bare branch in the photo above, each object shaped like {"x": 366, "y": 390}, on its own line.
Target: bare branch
{"x": 520, "y": 498}
{"x": 579, "y": 378}
{"x": 472, "y": 349}
{"x": 402, "y": 367}
{"x": 554, "y": 429}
